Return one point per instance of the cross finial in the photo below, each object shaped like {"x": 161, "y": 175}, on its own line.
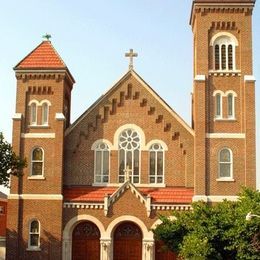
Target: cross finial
{"x": 131, "y": 54}
{"x": 46, "y": 37}
{"x": 127, "y": 172}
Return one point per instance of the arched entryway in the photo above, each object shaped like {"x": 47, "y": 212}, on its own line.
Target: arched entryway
{"x": 127, "y": 242}
{"x": 161, "y": 253}
{"x": 86, "y": 241}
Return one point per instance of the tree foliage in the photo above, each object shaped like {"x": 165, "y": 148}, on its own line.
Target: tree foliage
{"x": 218, "y": 231}
{"x": 10, "y": 163}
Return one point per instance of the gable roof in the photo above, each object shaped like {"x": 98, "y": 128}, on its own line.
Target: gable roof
{"x": 146, "y": 86}
{"x": 43, "y": 56}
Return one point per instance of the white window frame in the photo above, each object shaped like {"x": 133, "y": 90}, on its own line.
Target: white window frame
{"x": 226, "y": 39}
{"x": 32, "y": 176}
{"x": 31, "y": 247}
{"x": 45, "y": 103}
{"x": 215, "y": 95}
{"x": 226, "y": 178}
{"x": 234, "y": 95}
{"x": 102, "y": 164}
{"x": 132, "y": 176}
{"x": 33, "y": 120}
{"x": 156, "y": 158}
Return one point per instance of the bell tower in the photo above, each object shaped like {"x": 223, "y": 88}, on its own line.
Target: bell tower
{"x": 223, "y": 98}
{"x": 44, "y": 86}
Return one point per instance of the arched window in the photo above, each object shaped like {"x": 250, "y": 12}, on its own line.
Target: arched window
{"x": 33, "y": 113}
{"x": 225, "y": 162}
{"x": 37, "y": 162}
{"x": 129, "y": 155}
{"x": 101, "y": 163}
{"x": 156, "y": 156}
{"x": 224, "y": 46}
{"x": 218, "y": 104}
{"x": 34, "y": 234}
{"x": 45, "y": 113}
{"x": 231, "y": 105}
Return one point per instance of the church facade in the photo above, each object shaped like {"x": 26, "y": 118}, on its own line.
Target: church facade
{"x": 94, "y": 189}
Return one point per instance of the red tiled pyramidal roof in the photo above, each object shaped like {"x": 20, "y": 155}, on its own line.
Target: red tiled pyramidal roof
{"x": 159, "y": 195}
{"x": 42, "y": 57}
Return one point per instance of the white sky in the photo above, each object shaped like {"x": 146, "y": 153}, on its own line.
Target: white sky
{"x": 92, "y": 37}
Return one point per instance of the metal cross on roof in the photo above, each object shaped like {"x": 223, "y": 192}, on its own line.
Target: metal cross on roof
{"x": 46, "y": 37}
{"x": 131, "y": 54}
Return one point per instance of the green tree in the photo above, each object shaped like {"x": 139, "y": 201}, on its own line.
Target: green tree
{"x": 218, "y": 231}
{"x": 10, "y": 163}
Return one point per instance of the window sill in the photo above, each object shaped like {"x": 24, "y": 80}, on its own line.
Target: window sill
{"x": 39, "y": 126}
{"x": 225, "y": 119}
{"x": 33, "y": 249}
{"x": 146, "y": 185}
{"x": 104, "y": 184}
{"x": 36, "y": 178}
{"x": 225, "y": 72}
{"x": 225, "y": 179}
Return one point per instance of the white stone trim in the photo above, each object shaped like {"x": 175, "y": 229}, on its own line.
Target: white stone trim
{"x": 147, "y": 235}
{"x": 110, "y": 145}
{"x": 225, "y": 179}
{"x": 214, "y": 198}
{"x": 139, "y": 185}
{"x": 249, "y": 78}
{"x": 80, "y": 205}
{"x": 200, "y": 78}
{"x": 154, "y": 141}
{"x": 60, "y": 117}
{"x": 226, "y": 135}
{"x": 35, "y": 177}
{"x": 37, "y": 135}
{"x": 223, "y": 34}
{"x": 17, "y": 116}
{"x": 35, "y": 196}
{"x": 171, "y": 207}
{"x": 135, "y": 127}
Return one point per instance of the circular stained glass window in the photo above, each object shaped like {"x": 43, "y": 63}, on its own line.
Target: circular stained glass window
{"x": 129, "y": 140}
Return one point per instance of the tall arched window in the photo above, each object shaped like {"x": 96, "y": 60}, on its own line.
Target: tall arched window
{"x": 224, "y": 47}
{"x": 37, "y": 162}
{"x": 218, "y": 104}
{"x": 156, "y": 158}
{"x": 45, "y": 113}
{"x": 33, "y": 113}
{"x": 102, "y": 163}
{"x": 129, "y": 155}
{"x": 34, "y": 234}
{"x": 231, "y": 105}
{"x": 225, "y": 161}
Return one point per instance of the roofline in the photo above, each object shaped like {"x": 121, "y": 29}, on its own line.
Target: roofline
{"x": 213, "y": 3}
{"x": 129, "y": 72}
{"x": 46, "y": 70}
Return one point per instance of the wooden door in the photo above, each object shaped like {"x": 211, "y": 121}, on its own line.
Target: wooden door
{"x": 127, "y": 242}
{"x": 162, "y": 254}
{"x": 86, "y": 242}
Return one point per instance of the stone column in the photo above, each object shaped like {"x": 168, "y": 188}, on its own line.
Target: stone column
{"x": 148, "y": 250}
{"x": 105, "y": 249}
{"x": 66, "y": 249}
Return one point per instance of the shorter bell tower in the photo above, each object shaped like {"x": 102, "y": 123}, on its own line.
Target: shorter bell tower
{"x": 43, "y": 101}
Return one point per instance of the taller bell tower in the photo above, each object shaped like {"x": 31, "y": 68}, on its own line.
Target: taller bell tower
{"x": 223, "y": 97}
{"x": 44, "y": 84}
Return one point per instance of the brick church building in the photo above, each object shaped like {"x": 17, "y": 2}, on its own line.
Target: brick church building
{"x": 93, "y": 189}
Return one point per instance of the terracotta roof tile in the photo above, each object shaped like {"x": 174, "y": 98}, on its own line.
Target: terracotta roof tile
{"x": 159, "y": 195}
{"x": 43, "y": 56}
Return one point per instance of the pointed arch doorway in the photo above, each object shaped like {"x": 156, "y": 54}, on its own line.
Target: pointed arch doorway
{"x": 86, "y": 241}
{"x": 127, "y": 242}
